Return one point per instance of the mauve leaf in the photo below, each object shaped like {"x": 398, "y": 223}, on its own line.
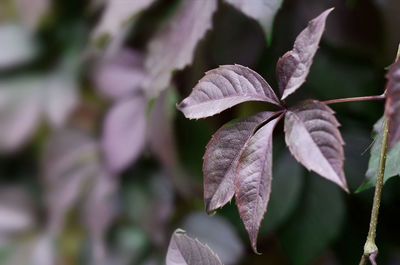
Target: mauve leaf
{"x": 124, "y": 133}
{"x": 183, "y": 250}
{"x": 261, "y": 10}
{"x": 16, "y": 213}
{"x": 225, "y": 87}
{"x": 31, "y": 12}
{"x": 392, "y": 107}
{"x": 293, "y": 67}
{"x": 121, "y": 75}
{"x": 173, "y": 46}
{"x": 117, "y": 13}
{"x": 70, "y": 159}
{"x": 99, "y": 213}
{"x": 20, "y": 110}
{"x": 313, "y": 137}
{"x": 222, "y": 157}
{"x": 253, "y": 180}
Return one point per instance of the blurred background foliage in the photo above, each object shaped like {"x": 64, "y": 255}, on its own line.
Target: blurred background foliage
{"x": 58, "y": 203}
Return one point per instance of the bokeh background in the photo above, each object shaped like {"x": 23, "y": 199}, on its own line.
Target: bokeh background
{"x": 70, "y": 196}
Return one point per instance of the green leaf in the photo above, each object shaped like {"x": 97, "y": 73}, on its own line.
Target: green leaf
{"x": 316, "y": 223}
{"x": 285, "y": 194}
{"x": 392, "y": 160}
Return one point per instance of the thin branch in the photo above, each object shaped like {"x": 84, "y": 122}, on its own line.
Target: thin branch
{"x": 370, "y": 248}
{"x": 367, "y": 98}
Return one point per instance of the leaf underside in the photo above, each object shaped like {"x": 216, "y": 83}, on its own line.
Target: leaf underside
{"x": 293, "y": 67}
{"x": 313, "y": 137}
{"x": 183, "y": 250}
{"x": 222, "y": 156}
{"x": 392, "y": 107}
{"x": 223, "y": 88}
{"x": 253, "y": 180}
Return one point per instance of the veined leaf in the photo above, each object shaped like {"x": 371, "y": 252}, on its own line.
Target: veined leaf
{"x": 225, "y": 87}
{"x": 253, "y": 179}
{"x": 222, "y": 157}
{"x": 124, "y": 133}
{"x": 313, "y": 137}
{"x": 262, "y": 11}
{"x": 392, "y": 107}
{"x": 173, "y": 46}
{"x": 184, "y": 250}
{"x": 294, "y": 66}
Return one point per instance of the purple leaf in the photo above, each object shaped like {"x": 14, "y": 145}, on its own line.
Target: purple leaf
{"x": 224, "y": 87}
{"x": 183, "y": 250}
{"x": 313, "y": 137}
{"x": 20, "y": 110}
{"x": 293, "y": 67}
{"x": 222, "y": 157}
{"x": 120, "y": 76}
{"x": 31, "y": 12}
{"x": 70, "y": 158}
{"x": 173, "y": 46}
{"x": 124, "y": 133}
{"x": 99, "y": 213}
{"x": 392, "y": 108}
{"x": 261, "y": 10}
{"x": 253, "y": 179}
{"x": 117, "y": 14}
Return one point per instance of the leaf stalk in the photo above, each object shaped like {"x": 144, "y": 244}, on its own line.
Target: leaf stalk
{"x": 353, "y": 99}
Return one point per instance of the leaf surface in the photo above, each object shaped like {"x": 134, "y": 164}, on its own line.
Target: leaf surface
{"x": 223, "y": 88}
{"x": 392, "y": 168}
{"x": 120, "y": 76}
{"x": 222, "y": 157}
{"x": 253, "y": 180}
{"x": 293, "y": 67}
{"x": 183, "y": 250}
{"x": 392, "y": 107}
{"x": 262, "y": 11}
{"x": 124, "y": 133}
{"x": 313, "y": 137}
{"x": 173, "y": 46}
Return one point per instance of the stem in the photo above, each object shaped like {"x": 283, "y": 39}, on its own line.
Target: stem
{"x": 367, "y": 98}
{"x": 370, "y": 248}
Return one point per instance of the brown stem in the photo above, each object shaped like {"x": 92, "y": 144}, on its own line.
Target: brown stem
{"x": 370, "y": 248}
{"x": 367, "y": 98}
